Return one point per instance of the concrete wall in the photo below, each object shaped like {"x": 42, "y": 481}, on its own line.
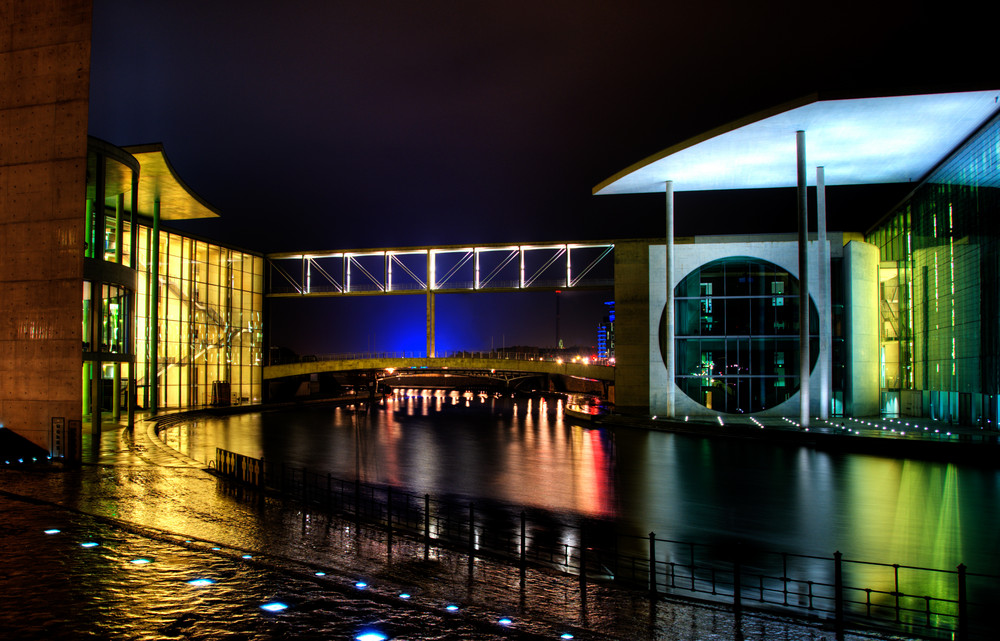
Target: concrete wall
{"x": 861, "y": 317}
{"x": 632, "y": 328}
{"x": 44, "y": 89}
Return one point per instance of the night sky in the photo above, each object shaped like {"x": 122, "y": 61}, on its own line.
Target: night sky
{"x": 332, "y": 125}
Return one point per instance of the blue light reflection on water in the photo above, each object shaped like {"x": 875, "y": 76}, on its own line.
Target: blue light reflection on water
{"x": 522, "y": 453}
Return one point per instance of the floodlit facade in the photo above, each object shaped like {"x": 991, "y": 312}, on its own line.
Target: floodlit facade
{"x": 939, "y": 290}
{"x": 168, "y": 320}
{"x": 904, "y": 320}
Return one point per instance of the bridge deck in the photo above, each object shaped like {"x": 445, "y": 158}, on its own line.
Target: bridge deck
{"x": 459, "y": 364}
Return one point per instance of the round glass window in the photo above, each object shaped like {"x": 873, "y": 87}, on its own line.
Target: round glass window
{"x": 736, "y": 335}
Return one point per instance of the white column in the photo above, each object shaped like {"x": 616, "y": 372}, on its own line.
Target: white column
{"x": 825, "y": 313}
{"x": 803, "y": 201}
{"x": 669, "y": 311}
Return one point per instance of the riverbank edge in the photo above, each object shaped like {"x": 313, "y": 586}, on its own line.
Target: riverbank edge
{"x": 962, "y": 449}
{"x": 946, "y": 451}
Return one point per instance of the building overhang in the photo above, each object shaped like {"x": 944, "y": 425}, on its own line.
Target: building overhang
{"x": 159, "y": 182}
{"x": 858, "y": 141}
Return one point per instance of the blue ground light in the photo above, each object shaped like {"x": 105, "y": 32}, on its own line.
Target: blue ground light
{"x": 200, "y": 582}
{"x": 371, "y": 636}
{"x": 89, "y": 544}
{"x": 451, "y": 608}
{"x": 52, "y": 531}
{"x": 274, "y": 606}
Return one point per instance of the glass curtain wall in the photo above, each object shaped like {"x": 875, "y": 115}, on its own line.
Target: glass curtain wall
{"x": 939, "y": 290}
{"x": 209, "y": 334}
{"x": 107, "y": 288}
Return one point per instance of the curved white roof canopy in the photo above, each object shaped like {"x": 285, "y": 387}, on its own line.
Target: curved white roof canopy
{"x": 858, "y": 141}
{"x": 159, "y": 181}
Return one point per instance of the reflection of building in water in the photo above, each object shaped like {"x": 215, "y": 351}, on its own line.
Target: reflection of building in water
{"x": 903, "y": 317}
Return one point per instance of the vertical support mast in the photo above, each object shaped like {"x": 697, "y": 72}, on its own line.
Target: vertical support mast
{"x": 803, "y": 218}
{"x": 824, "y": 296}
{"x": 669, "y": 310}
{"x": 430, "y": 304}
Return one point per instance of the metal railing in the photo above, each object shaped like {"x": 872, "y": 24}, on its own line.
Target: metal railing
{"x": 493, "y": 355}
{"x": 915, "y": 600}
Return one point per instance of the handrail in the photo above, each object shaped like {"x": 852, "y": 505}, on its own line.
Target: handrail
{"x": 893, "y": 597}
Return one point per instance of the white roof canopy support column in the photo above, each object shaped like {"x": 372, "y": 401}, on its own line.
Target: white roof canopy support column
{"x": 669, "y": 311}
{"x": 803, "y": 217}
{"x": 825, "y": 315}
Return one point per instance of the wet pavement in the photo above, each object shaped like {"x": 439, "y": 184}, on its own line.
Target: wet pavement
{"x": 139, "y": 500}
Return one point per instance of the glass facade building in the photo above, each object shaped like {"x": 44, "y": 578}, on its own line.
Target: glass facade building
{"x": 204, "y": 347}
{"x": 939, "y": 290}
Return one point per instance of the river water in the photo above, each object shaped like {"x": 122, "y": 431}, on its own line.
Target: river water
{"x": 524, "y": 453}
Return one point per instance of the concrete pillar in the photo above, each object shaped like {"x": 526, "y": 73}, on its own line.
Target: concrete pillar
{"x": 669, "y": 347}
{"x": 96, "y": 303}
{"x": 119, "y": 208}
{"x": 132, "y": 303}
{"x": 116, "y": 394}
{"x": 825, "y": 313}
{"x": 803, "y": 218}
{"x": 147, "y": 394}
{"x": 154, "y": 315}
{"x": 430, "y": 303}
{"x": 88, "y": 231}
{"x": 430, "y": 324}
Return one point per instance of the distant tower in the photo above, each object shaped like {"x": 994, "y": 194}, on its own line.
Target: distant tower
{"x": 606, "y": 333}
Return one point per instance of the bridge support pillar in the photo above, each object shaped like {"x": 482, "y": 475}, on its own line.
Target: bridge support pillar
{"x": 430, "y": 324}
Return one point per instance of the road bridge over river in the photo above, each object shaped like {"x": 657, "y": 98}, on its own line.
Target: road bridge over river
{"x": 488, "y": 364}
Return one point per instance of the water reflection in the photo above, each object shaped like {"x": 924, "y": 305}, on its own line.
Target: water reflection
{"x": 523, "y": 452}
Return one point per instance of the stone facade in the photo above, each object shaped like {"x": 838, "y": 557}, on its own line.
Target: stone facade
{"x": 44, "y": 90}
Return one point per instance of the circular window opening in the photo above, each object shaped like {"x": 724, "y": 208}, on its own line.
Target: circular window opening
{"x": 736, "y": 335}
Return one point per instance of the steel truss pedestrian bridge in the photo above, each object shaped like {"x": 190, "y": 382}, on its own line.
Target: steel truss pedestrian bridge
{"x": 445, "y": 269}
{"x": 441, "y": 269}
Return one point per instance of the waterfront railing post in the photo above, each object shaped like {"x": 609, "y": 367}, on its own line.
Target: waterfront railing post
{"x": 524, "y": 549}
{"x": 838, "y": 592}
{"x": 963, "y": 613}
{"x": 388, "y": 519}
{"x": 427, "y": 526}
{"x": 784, "y": 576}
{"x": 737, "y": 580}
{"x": 357, "y": 499}
{"x": 693, "y": 588}
{"x": 472, "y": 536}
{"x": 895, "y": 591}
{"x": 652, "y": 564}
